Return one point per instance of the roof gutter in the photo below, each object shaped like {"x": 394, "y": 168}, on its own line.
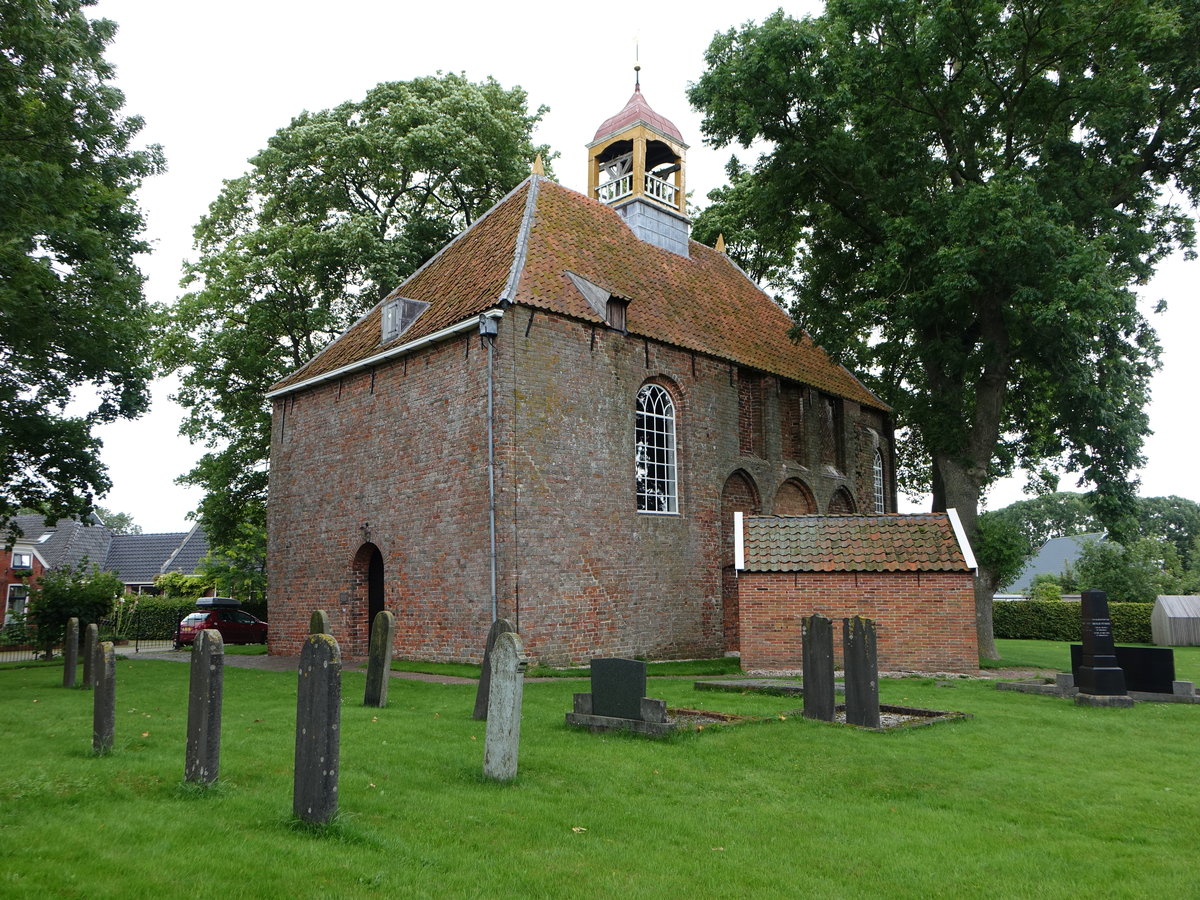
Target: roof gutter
{"x": 401, "y": 350}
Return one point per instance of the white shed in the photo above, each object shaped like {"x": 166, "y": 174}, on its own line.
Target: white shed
{"x": 1175, "y": 621}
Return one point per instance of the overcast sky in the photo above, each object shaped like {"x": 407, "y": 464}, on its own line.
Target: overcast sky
{"x": 215, "y": 80}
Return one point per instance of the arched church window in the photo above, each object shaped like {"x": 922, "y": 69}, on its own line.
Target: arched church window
{"x": 879, "y": 504}
{"x": 654, "y": 451}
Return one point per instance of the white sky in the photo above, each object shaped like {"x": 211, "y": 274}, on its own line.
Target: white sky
{"x": 215, "y": 80}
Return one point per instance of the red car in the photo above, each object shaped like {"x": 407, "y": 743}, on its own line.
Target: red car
{"x": 221, "y": 613}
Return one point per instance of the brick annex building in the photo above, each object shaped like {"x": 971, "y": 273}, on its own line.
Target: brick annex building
{"x": 554, "y": 420}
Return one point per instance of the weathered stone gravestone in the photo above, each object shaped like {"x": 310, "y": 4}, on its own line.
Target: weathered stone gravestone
{"x": 91, "y": 646}
{"x": 318, "y": 623}
{"x": 816, "y": 632}
{"x": 104, "y": 701}
{"x": 203, "y": 759}
{"x": 862, "y": 672}
{"x": 1100, "y": 680}
{"x": 499, "y": 627}
{"x": 618, "y": 700}
{"x": 503, "y": 741}
{"x": 379, "y": 660}
{"x": 70, "y": 652}
{"x": 318, "y": 730}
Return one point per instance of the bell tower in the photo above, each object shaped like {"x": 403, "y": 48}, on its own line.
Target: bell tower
{"x": 636, "y": 166}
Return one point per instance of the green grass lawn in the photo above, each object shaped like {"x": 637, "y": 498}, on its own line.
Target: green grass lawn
{"x": 1057, "y": 655}
{"x": 1033, "y": 797}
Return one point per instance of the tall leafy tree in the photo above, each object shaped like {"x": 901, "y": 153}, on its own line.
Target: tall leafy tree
{"x": 338, "y": 209}
{"x": 72, "y": 314}
{"x": 959, "y": 195}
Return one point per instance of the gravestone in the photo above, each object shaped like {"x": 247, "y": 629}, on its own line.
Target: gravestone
{"x": 618, "y": 686}
{"x": 379, "y": 660}
{"x": 91, "y": 646}
{"x": 816, "y": 633}
{"x": 203, "y": 758}
{"x": 618, "y": 700}
{"x": 318, "y": 623}
{"x": 70, "y": 652}
{"x": 318, "y": 730}
{"x": 1148, "y": 669}
{"x": 862, "y": 672}
{"x": 503, "y": 739}
{"x": 499, "y": 627}
{"x": 104, "y": 701}
{"x": 1099, "y": 678}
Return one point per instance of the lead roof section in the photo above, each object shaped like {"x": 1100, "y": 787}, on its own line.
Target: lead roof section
{"x": 702, "y": 303}
{"x": 887, "y": 543}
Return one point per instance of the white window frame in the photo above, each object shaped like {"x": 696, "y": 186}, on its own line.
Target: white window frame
{"x": 656, "y": 476}
{"x": 18, "y": 556}
{"x": 877, "y": 469}
{"x": 9, "y": 611}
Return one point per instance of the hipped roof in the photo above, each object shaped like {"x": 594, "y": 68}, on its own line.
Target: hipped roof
{"x": 521, "y": 250}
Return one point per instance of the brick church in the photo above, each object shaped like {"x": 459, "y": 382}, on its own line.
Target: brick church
{"x": 554, "y": 421}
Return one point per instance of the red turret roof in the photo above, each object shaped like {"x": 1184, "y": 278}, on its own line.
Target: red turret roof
{"x": 637, "y": 110}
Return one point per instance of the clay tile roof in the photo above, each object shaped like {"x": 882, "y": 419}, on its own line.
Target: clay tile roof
{"x": 540, "y": 232}
{"x": 637, "y": 110}
{"x": 887, "y": 543}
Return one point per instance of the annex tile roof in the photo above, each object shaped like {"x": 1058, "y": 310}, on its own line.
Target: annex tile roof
{"x": 882, "y": 543}
{"x": 637, "y": 110}
{"x": 522, "y": 250}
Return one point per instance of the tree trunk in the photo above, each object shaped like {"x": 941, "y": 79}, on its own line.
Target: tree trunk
{"x": 960, "y": 489}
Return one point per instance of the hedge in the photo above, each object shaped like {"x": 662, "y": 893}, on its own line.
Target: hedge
{"x": 1058, "y": 620}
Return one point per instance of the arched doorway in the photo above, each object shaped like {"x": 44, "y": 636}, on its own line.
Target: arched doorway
{"x": 738, "y": 495}
{"x": 368, "y": 596}
{"x": 794, "y": 499}
{"x": 374, "y": 590}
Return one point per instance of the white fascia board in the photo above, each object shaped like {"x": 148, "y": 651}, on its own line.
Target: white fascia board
{"x": 963, "y": 544}
{"x": 739, "y": 541}
{"x": 448, "y": 331}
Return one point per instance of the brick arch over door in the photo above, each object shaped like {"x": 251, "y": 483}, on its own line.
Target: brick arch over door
{"x": 367, "y": 570}
{"x": 795, "y": 499}
{"x": 739, "y": 494}
{"x": 841, "y": 503}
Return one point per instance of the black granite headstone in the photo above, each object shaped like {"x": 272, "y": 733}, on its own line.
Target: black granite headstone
{"x": 618, "y": 686}
{"x": 1148, "y": 669}
{"x": 483, "y": 691}
{"x": 862, "y": 672}
{"x": 817, "y": 636}
{"x": 1098, "y": 672}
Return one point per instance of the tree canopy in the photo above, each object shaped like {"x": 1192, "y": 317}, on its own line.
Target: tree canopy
{"x": 71, "y": 305}
{"x": 335, "y": 212}
{"x": 958, "y": 197}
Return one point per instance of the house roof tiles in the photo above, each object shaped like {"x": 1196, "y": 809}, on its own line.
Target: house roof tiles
{"x": 884, "y": 543}
{"x": 529, "y": 241}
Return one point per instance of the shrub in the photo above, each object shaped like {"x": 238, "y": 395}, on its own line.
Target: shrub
{"x": 157, "y": 617}
{"x": 83, "y": 592}
{"x": 1058, "y": 620}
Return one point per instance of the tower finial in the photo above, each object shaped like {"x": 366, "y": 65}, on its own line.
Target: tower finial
{"x": 537, "y": 168}
{"x": 637, "y": 64}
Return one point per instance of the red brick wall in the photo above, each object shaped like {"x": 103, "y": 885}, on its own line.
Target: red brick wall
{"x": 398, "y": 459}
{"x": 925, "y": 620}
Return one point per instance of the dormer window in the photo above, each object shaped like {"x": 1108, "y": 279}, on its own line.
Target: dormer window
{"x": 399, "y": 315}
{"x": 22, "y": 560}
{"x": 614, "y": 313}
